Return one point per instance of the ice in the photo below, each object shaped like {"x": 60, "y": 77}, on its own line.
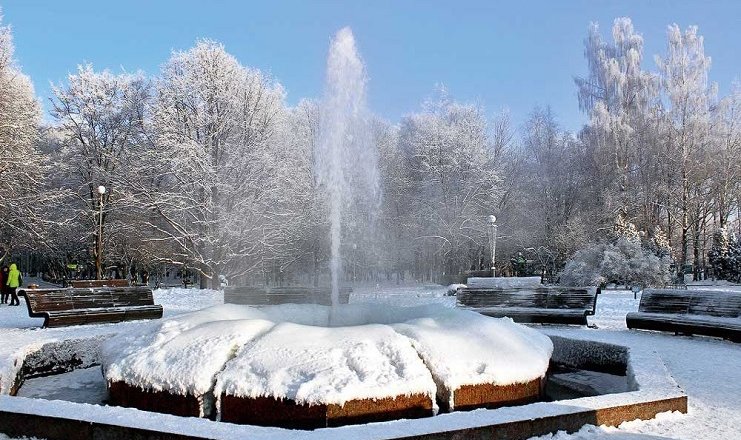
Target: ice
{"x": 83, "y": 386}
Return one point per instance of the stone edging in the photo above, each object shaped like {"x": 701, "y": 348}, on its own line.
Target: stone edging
{"x": 655, "y": 391}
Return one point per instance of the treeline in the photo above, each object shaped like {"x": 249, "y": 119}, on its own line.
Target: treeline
{"x": 207, "y": 168}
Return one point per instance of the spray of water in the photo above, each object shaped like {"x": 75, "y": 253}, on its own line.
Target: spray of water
{"x": 346, "y": 156}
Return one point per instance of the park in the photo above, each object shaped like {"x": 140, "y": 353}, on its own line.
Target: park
{"x": 196, "y": 254}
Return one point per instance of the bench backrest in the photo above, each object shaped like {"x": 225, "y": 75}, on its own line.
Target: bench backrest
{"x": 50, "y": 300}
{"x": 261, "y": 296}
{"x": 718, "y": 303}
{"x": 100, "y": 283}
{"x": 551, "y": 297}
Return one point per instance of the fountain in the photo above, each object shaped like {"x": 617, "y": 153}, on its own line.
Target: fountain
{"x": 346, "y": 159}
{"x": 312, "y": 366}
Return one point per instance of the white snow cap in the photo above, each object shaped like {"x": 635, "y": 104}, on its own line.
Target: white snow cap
{"x": 318, "y": 365}
{"x": 292, "y": 351}
{"x": 183, "y": 354}
{"x": 504, "y": 282}
{"x": 462, "y": 347}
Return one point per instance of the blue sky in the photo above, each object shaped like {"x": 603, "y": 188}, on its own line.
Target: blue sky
{"x": 513, "y": 55}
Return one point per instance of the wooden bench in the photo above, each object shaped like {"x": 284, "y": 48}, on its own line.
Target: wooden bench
{"x": 99, "y": 283}
{"x": 542, "y": 305}
{"x": 77, "y": 306}
{"x": 692, "y": 312}
{"x": 263, "y": 296}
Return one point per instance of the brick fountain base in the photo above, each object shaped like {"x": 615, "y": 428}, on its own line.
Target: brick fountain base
{"x": 286, "y": 413}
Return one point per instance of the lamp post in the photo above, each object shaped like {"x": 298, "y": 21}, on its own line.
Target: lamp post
{"x": 493, "y": 242}
{"x": 355, "y": 260}
{"x": 99, "y": 251}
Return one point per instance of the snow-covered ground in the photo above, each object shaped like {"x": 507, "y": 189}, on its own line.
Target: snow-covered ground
{"x": 706, "y": 368}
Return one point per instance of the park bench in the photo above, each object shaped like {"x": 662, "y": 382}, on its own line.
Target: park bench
{"x": 692, "y": 312}
{"x": 99, "y": 283}
{"x": 77, "y": 306}
{"x": 541, "y": 305}
{"x": 262, "y": 296}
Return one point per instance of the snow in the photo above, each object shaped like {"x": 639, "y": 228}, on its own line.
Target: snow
{"x": 307, "y": 354}
{"x": 314, "y": 365}
{"x": 182, "y": 364}
{"x": 590, "y": 432}
{"x": 465, "y": 348}
{"x": 705, "y": 368}
{"x": 504, "y": 282}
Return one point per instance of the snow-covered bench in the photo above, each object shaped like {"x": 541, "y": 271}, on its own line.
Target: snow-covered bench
{"x": 99, "y": 283}
{"x": 543, "y": 305}
{"x": 692, "y": 312}
{"x": 263, "y": 296}
{"x": 77, "y": 306}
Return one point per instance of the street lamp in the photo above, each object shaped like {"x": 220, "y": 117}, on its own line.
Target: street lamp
{"x": 493, "y": 242}
{"x": 99, "y": 252}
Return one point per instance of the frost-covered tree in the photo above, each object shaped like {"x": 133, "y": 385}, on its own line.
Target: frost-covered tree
{"x": 454, "y": 176}
{"x": 725, "y": 256}
{"x": 553, "y": 196}
{"x": 725, "y": 149}
{"x": 718, "y": 254}
{"x": 624, "y": 262}
{"x": 662, "y": 148}
{"x": 395, "y": 243}
{"x": 307, "y": 248}
{"x": 99, "y": 118}
{"x": 617, "y": 94}
{"x": 218, "y": 175}
{"x": 22, "y": 167}
{"x": 684, "y": 79}
{"x": 733, "y": 261}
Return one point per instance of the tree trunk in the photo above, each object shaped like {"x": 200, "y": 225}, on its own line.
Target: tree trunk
{"x": 696, "y": 253}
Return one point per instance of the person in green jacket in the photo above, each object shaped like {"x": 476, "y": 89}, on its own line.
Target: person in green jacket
{"x": 14, "y": 282}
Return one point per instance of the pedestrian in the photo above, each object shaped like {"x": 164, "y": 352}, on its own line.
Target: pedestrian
{"x": 14, "y": 282}
{"x": 4, "y": 289}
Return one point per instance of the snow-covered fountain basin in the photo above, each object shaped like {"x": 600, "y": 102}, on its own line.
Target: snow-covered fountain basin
{"x": 307, "y": 366}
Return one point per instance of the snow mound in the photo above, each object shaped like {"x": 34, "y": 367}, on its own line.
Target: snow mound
{"x": 313, "y": 354}
{"x": 462, "y": 347}
{"x": 181, "y": 354}
{"x": 317, "y": 365}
